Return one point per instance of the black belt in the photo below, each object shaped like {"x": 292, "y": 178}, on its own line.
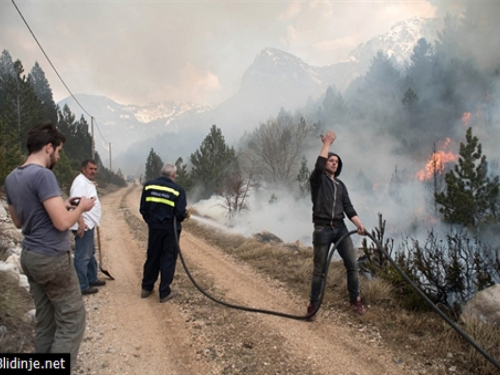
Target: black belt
{"x": 331, "y": 224}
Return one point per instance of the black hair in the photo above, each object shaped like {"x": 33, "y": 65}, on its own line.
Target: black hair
{"x": 43, "y": 134}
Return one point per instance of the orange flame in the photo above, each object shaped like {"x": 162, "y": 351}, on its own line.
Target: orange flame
{"x": 436, "y": 163}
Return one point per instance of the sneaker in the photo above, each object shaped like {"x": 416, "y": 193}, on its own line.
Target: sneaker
{"x": 167, "y": 298}
{"x": 358, "y": 306}
{"x": 90, "y": 290}
{"x": 310, "y": 310}
{"x": 98, "y": 283}
{"x": 145, "y": 293}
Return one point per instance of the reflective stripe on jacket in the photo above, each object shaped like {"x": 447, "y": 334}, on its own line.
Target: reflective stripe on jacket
{"x": 162, "y": 200}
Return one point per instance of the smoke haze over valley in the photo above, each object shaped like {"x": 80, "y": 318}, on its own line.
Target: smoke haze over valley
{"x": 384, "y": 144}
{"x": 275, "y": 80}
{"x": 375, "y": 158}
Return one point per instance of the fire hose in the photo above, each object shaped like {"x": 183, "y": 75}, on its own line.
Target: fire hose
{"x": 323, "y": 285}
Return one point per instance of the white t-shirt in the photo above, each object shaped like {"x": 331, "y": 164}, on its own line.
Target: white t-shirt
{"x": 83, "y": 187}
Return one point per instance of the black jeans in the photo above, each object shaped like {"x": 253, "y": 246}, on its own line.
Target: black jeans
{"x": 323, "y": 238}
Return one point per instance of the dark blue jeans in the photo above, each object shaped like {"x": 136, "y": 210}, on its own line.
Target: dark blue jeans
{"x": 323, "y": 239}
{"x": 85, "y": 262}
{"x": 161, "y": 260}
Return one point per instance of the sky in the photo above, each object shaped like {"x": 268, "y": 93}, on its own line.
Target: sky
{"x": 139, "y": 52}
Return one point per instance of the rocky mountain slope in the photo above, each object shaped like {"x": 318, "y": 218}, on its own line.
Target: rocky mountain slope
{"x": 275, "y": 80}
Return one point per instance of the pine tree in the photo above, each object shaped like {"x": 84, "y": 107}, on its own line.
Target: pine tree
{"x": 410, "y": 99}
{"x": 78, "y": 144}
{"x": 153, "y": 166}
{"x": 6, "y": 71}
{"x": 212, "y": 162}
{"x": 66, "y": 170}
{"x": 334, "y": 108}
{"x": 10, "y": 152}
{"x": 183, "y": 177}
{"x": 422, "y": 61}
{"x": 303, "y": 177}
{"x": 448, "y": 41}
{"x": 44, "y": 92}
{"x": 21, "y": 108}
{"x": 380, "y": 90}
{"x": 470, "y": 196}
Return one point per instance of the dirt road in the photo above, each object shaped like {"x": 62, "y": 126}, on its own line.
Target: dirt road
{"x": 193, "y": 335}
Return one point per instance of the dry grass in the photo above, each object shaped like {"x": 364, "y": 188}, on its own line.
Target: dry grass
{"x": 377, "y": 291}
{"x": 418, "y": 332}
{"x": 486, "y": 337}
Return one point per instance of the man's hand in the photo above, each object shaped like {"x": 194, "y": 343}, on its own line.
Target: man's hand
{"x": 81, "y": 230}
{"x": 329, "y": 138}
{"x": 359, "y": 225}
{"x": 86, "y": 203}
{"x": 71, "y": 203}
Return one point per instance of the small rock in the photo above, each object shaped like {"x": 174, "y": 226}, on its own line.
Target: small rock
{"x": 30, "y": 316}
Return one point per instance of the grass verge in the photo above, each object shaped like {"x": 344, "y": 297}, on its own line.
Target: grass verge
{"x": 419, "y": 334}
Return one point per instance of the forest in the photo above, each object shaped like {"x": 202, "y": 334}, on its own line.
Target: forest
{"x": 26, "y": 100}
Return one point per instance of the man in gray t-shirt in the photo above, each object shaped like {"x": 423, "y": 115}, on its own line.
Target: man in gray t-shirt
{"x": 31, "y": 185}
{"x": 36, "y": 206}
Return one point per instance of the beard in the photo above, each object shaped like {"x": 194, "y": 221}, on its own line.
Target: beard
{"x": 52, "y": 161}
{"x": 331, "y": 171}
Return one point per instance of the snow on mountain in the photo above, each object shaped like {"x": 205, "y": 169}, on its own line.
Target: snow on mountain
{"x": 398, "y": 42}
{"x": 275, "y": 80}
{"x": 124, "y": 124}
{"x": 162, "y": 110}
{"x": 278, "y": 79}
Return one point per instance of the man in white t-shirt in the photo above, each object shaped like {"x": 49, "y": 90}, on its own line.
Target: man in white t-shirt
{"x": 85, "y": 263}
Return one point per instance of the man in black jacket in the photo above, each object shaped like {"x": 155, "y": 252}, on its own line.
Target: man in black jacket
{"x": 163, "y": 207}
{"x": 331, "y": 204}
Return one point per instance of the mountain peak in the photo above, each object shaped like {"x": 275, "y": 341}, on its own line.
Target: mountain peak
{"x": 398, "y": 42}
{"x": 273, "y": 55}
{"x": 281, "y": 78}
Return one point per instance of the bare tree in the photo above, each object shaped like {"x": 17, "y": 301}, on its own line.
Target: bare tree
{"x": 236, "y": 189}
{"x": 277, "y": 146}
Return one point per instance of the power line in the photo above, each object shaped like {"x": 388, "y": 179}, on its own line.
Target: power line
{"x": 53, "y": 67}
{"x": 99, "y": 130}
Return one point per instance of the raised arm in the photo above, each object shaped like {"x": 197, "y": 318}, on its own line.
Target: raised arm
{"x": 327, "y": 140}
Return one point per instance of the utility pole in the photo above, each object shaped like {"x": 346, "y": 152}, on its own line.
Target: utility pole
{"x": 92, "y": 137}
{"x": 110, "y": 168}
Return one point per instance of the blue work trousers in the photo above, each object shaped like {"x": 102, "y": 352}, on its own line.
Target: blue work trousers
{"x": 323, "y": 238}
{"x": 161, "y": 259}
{"x": 85, "y": 262}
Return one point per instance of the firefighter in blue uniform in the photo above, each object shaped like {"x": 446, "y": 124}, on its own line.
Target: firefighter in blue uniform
{"x": 162, "y": 203}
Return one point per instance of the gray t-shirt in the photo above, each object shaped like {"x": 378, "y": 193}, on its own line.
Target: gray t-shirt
{"x": 27, "y": 187}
